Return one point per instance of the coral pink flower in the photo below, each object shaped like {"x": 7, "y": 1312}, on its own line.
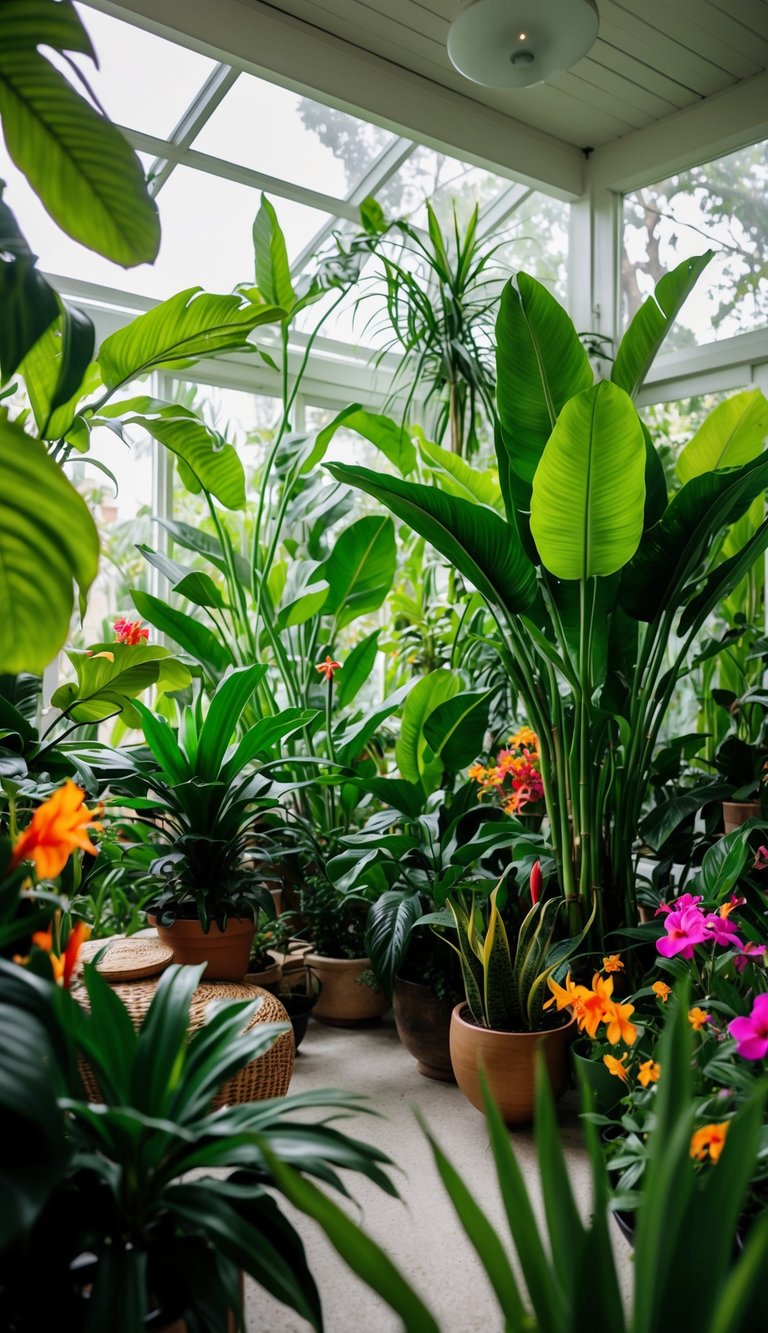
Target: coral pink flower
{"x": 761, "y": 860}
{"x": 328, "y": 668}
{"x": 131, "y": 632}
{"x": 750, "y": 952}
{"x": 685, "y": 929}
{"x": 751, "y": 1033}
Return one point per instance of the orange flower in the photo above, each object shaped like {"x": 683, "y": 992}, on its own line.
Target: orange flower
{"x": 613, "y": 963}
{"x": 648, "y": 1072}
{"x": 130, "y": 631}
{"x": 57, "y": 827}
{"x": 619, "y": 1027}
{"x": 564, "y": 997}
{"x": 709, "y": 1141}
{"x": 596, "y": 1003}
{"x": 617, "y": 1067}
{"x": 63, "y": 965}
{"x": 328, "y": 667}
{"x": 698, "y": 1018}
{"x": 476, "y": 773}
{"x": 661, "y": 990}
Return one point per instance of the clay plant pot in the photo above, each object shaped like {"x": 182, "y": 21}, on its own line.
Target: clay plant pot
{"x": 226, "y": 952}
{"x": 423, "y": 1025}
{"x": 508, "y": 1059}
{"x": 268, "y": 978}
{"x": 607, "y": 1090}
{"x": 345, "y": 1001}
{"x": 736, "y": 813}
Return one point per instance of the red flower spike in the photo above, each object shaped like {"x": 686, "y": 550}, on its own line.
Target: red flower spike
{"x": 537, "y": 882}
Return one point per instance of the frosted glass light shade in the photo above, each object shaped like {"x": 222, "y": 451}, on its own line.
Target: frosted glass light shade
{"x": 514, "y": 43}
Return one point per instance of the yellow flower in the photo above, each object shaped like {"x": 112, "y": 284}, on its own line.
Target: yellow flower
{"x": 661, "y": 990}
{"x": 709, "y": 1141}
{"x": 648, "y": 1072}
{"x": 57, "y": 827}
{"x": 698, "y": 1018}
{"x": 617, "y": 1067}
{"x": 613, "y": 963}
{"x": 476, "y": 773}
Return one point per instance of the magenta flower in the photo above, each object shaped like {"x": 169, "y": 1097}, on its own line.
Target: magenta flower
{"x": 723, "y": 931}
{"x": 679, "y": 904}
{"x": 761, "y": 860}
{"x": 750, "y": 952}
{"x": 751, "y": 1033}
{"x": 685, "y": 929}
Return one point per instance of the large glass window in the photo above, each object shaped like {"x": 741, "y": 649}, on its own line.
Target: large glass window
{"x": 721, "y": 206}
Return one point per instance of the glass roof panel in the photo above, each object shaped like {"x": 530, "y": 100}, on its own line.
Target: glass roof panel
{"x": 270, "y": 129}
{"x": 206, "y": 230}
{"x": 443, "y": 181}
{"x": 143, "y": 81}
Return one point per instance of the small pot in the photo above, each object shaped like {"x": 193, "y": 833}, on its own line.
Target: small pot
{"x": 268, "y": 978}
{"x": 344, "y": 1000}
{"x": 225, "y": 952}
{"x": 607, "y": 1089}
{"x": 423, "y": 1025}
{"x": 509, "y": 1063}
{"x": 736, "y": 813}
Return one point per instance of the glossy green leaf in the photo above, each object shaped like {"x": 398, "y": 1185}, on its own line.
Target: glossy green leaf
{"x": 723, "y": 579}
{"x": 273, "y": 270}
{"x": 733, "y": 434}
{"x": 48, "y": 542}
{"x": 473, "y": 538}
{"x": 104, "y": 686}
{"x": 455, "y": 729}
{"x": 388, "y": 930}
{"x": 589, "y": 488}
{"x": 360, "y": 569}
{"x": 209, "y": 462}
{"x": 455, "y": 475}
{"x": 350, "y": 739}
{"x": 652, "y": 322}
{"x": 81, "y": 167}
{"x": 413, "y": 757}
{"x": 540, "y": 364}
{"x": 223, "y": 717}
{"x": 355, "y": 669}
{"x": 53, "y": 369}
{"x": 28, "y": 303}
{"x": 195, "y": 638}
{"x": 394, "y": 441}
{"x": 190, "y": 325}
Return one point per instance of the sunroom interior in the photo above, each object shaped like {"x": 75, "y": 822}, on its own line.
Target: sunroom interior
{"x": 352, "y": 121}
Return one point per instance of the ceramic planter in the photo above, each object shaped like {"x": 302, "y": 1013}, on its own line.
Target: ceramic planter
{"x": 607, "y": 1089}
{"x": 225, "y": 953}
{"x": 736, "y": 813}
{"x": 509, "y": 1062}
{"x": 268, "y": 978}
{"x": 344, "y": 999}
{"x": 423, "y": 1025}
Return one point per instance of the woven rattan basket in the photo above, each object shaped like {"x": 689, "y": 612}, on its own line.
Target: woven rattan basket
{"x": 267, "y": 1076}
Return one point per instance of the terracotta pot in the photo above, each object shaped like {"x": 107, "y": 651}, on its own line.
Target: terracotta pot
{"x": 508, "y": 1059}
{"x": 423, "y": 1025}
{"x": 736, "y": 813}
{"x": 344, "y": 1000}
{"x": 268, "y": 978}
{"x": 225, "y": 952}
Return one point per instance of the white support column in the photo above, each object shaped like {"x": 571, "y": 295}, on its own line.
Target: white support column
{"x": 594, "y": 264}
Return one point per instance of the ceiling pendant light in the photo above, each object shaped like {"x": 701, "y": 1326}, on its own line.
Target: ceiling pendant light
{"x": 514, "y": 43}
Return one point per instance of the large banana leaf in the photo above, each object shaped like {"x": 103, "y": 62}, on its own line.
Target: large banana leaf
{"x": 205, "y": 460}
{"x": 394, "y": 441}
{"x": 413, "y": 754}
{"x": 53, "y": 369}
{"x": 273, "y": 271}
{"x": 360, "y": 569}
{"x": 540, "y": 364}
{"x": 81, "y": 167}
{"x": 455, "y": 475}
{"x": 190, "y": 325}
{"x": 652, "y": 323}
{"x": 731, "y": 435}
{"x": 29, "y": 304}
{"x": 475, "y": 539}
{"x": 455, "y": 729}
{"x": 48, "y": 542}
{"x": 589, "y": 489}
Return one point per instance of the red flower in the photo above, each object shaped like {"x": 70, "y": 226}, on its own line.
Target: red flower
{"x": 537, "y": 881}
{"x": 130, "y": 631}
{"x": 328, "y": 667}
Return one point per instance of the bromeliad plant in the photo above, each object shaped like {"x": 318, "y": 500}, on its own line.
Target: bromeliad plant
{"x": 599, "y": 583}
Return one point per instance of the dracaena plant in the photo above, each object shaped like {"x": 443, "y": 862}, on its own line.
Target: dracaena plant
{"x": 598, "y": 581}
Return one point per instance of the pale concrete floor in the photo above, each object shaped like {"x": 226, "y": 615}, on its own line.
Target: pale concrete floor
{"x": 420, "y": 1233}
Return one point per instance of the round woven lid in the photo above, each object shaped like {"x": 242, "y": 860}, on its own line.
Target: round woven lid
{"x": 128, "y": 959}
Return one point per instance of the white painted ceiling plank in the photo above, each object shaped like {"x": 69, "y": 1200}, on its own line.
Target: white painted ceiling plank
{"x": 683, "y": 27}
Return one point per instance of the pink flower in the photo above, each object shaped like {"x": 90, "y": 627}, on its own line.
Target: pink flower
{"x": 751, "y": 1033}
{"x": 761, "y": 860}
{"x": 685, "y": 929}
{"x": 749, "y": 952}
{"x": 679, "y": 904}
{"x": 723, "y": 931}
{"x": 131, "y": 632}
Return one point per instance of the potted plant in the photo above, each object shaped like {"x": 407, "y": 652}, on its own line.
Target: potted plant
{"x": 269, "y": 943}
{"x": 350, "y": 993}
{"x": 503, "y": 1021}
{"x": 207, "y": 797}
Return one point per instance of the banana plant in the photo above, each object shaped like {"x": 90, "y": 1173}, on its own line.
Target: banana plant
{"x": 598, "y": 582}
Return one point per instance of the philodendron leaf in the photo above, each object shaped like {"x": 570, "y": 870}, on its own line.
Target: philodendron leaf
{"x": 733, "y": 434}
{"x": 113, "y": 673}
{"x": 81, "y": 167}
{"x": 48, "y": 542}
{"x": 455, "y": 730}
{"x": 589, "y": 489}
{"x": 652, "y": 322}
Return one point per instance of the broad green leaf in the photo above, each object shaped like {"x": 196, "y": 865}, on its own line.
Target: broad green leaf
{"x": 473, "y": 538}
{"x": 540, "y": 364}
{"x": 723, "y": 579}
{"x": 388, "y": 930}
{"x": 355, "y": 669}
{"x": 350, "y": 739}
{"x": 53, "y": 369}
{"x": 210, "y": 463}
{"x": 360, "y": 569}
{"x": 273, "y": 271}
{"x": 652, "y": 322}
{"x": 460, "y": 478}
{"x": 304, "y": 593}
{"x": 190, "y": 325}
{"x": 48, "y": 541}
{"x": 394, "y": 441}
{"x": 223, "y": 718}
{"x": 28, "y": 303}
{"x": 194, "y": 637}
{"x": 455, "y": 729}
{"x": 112, "y": 673}
{"x": 734, "y": 433}
{"x": 412, "y": 755}
{"x": 27, "y": 24}
{"x": 589, "y": 489}
{"x": 81, "y": 167}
